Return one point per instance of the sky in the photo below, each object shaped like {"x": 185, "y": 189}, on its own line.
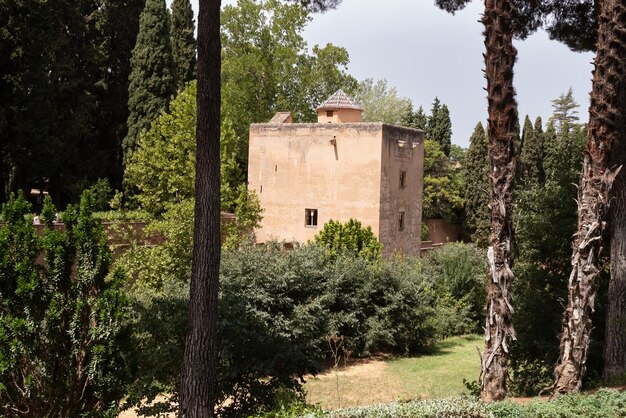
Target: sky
{"x": 425, "y": 52}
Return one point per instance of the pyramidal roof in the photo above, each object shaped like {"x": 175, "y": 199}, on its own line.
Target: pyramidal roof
{"x": 339, "y": 100}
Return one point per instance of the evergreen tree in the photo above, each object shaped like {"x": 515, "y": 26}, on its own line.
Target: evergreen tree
{"x": 183, "y": 42}
{"x": 417, "y": 119}
{"x": 476, "y": 193}
{"x": 151, "y": 78}
{"x": 439, "y": 128}
{"x": 564, "y": 109}
{"x": 531, "y": 156}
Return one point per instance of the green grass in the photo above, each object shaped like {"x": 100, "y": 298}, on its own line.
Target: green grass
{"x": 439, "y": 374}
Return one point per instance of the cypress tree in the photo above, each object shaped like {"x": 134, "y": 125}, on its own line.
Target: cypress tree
{"x": 531, "y": 157}
{"x": 439, "y": 126}
{"x": 476, "y": 173}
{"x": 418, "y": 119}
{"x": 183, "y": 42}
{"x": 151, "y": 78}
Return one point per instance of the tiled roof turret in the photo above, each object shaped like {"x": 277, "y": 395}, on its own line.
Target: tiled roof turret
{"x": 339, "y": 100}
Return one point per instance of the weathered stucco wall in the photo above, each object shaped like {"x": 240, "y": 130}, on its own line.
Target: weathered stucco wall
{"x": 347, "y": 170}
{"x": 402, "y": 151}
{"x": 333, "y": 168}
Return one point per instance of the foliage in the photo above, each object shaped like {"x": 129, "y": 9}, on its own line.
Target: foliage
{"x": 381, "y": 103}
{"x": 546, "y": 219}
{"x": 532, "y": 154}
{"x": 277, "y": 309}
{"x": 476, "y": 188}
{"x": 417, "y": 119}
{"x": 101, "y": 193}
{"x": 439, "y": 128}
{"x": 162, "y": 169}
{"x": 64, "y": 322}
{"x": 605, "y": 403}
{"x": 151, "y": 79}
{"x": 349, "y": 238}
{"x": 565, "y": 112}
{"x": 183, "y": 43}
{"x": 442, "y": 196}
{"x": 267, "y": 67}
{"x": 459, "y": 271}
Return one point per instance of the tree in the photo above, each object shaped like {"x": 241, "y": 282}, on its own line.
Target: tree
{"x": 199, "y": 368}
{"x": 65, "y": 347}
{"x": 381, "y": 103}
{"x": 417, "y": 119}
{"x": 476, "y": 192}
{"x": 531, "y": 156}
{"x": 183, "y": 42}
{"x": 349, "y": 238}
{"x": 151, "y": 79}
{"x": 442, "y": 197}
{"x": 502, "y": 20}
{"x": 267, "y": 67}
{"x": 564, "y": 109}
{"x": 606, "y": 116}
{"x": 439, "y": 127}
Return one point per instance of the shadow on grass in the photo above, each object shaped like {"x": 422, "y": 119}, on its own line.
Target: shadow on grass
{"x": 446, "y": 346}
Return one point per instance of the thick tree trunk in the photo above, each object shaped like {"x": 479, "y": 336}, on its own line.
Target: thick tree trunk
{"x": 499, "y": 61}
{"x": 605, "y": 122}
{"x": 199, "y": 369}
{"x": 615, "y": 337}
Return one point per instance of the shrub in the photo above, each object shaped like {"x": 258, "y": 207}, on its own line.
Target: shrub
{"x": 458, "y": 272}
{"x": 276, "y": 311}
{"x": 349, "y": 238}
{"x": 64, "y": 322}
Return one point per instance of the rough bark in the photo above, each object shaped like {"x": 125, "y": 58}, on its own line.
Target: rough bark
{"x": 605, "y": 122}
{"x": 615, "y": 338}
{"x": 199, "y": 369}
{"x": 499, "y": 61}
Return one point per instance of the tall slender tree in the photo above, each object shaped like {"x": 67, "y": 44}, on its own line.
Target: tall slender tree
{"x": 152, "y": 75}
{"x": 531, "y": 156}
{"x": 183, "y": 42}
{"x": 607, "y": 116}
{"x": 476, "y": 194}
{"x": 502, "y": 20}
{"x": 439, "y": 127}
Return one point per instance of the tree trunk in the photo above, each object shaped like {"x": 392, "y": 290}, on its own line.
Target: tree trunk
{"x": 199, "y": 369}
{"x": 615, "y": 337}
{"x": 605, "y": 122}
{"x": 499, "y": 61}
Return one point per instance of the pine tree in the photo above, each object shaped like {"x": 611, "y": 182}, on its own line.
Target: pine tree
{"x": 151, "y": 78}
{"x": 531, "y": 156}
{"x": 439, "y": 127}
{"x": 564, "y": 109}
{"x": 183, "y": 42}
{"x": 476, "y": 173}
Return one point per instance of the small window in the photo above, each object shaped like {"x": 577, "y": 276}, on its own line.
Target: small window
{"x": 329, "y": 113}
{"x": 402, "y": 179}
{"x": 310, "y": 217}
{"x": 401, "y": 221}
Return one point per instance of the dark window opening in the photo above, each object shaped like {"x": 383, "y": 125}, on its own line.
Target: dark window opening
{"x": 329, "y": 113}
{"x": 310, "y": 217}
{"x": 402, "y": 179}
{"x": 401, "y": 221}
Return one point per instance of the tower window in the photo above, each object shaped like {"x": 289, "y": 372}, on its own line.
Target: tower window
{"x": 401, "y": 221}
{"x": 310, "y": 217}
{"x": 402, "y": 179}
{"x": 329, "y": 113}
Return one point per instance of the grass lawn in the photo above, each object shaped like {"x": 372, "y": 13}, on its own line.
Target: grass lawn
{"x": 437, "y": 375}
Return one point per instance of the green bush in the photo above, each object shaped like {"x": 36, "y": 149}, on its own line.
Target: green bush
{"x": 459, "y": 272}
{"x": 349, "y": 238}
{"x": 277, "y": 311}
{"x": 64, "y": 321}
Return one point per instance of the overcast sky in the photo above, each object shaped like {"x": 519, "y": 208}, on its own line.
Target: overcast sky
{"x": 425, "y": 52}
